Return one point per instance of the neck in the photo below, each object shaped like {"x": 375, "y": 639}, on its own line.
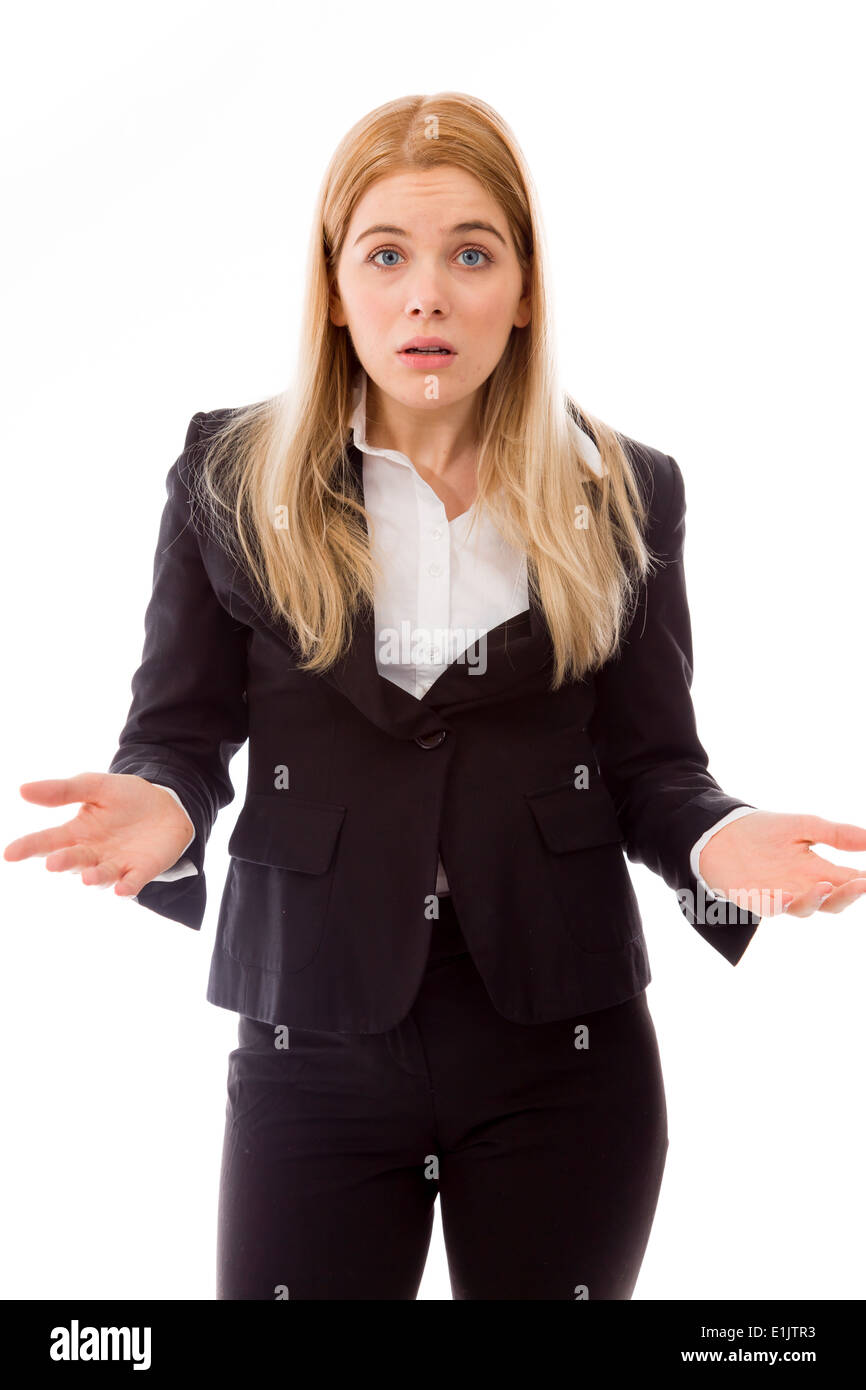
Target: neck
{"x": 437, "y": 440}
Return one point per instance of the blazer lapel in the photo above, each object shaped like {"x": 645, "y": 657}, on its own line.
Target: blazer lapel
{"x": 503, "y": 658}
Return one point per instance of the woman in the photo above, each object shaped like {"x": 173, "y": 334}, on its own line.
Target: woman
{"x": 447, "y": 609}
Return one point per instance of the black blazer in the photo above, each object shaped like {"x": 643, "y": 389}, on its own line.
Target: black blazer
{"x": 325, "y": 917}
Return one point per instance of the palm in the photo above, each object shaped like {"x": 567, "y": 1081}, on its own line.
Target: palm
{"x": 126, "y": 831}
{"x": 770, "y": 854}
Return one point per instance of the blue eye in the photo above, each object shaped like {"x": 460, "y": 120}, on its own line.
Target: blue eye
{"x": 391, "y": 251}
{"x": 474, "y": 251}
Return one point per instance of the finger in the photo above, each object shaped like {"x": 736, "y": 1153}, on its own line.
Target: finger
{"x": 827, "y": 871}
{"x": 102, "y": 874}
{"x": 130, "y": 884}
{"x": 843, "y": 897}
{"x": 807, "y": 903}
{"x": 839, "y": 834}
{"x": 76, "y": 857}
{"x": 60, "y": 791}
{"x": 763, "y": 902}
{"x": 41, "y": 842}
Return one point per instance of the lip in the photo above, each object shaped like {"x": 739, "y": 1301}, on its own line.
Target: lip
{"x": 427, "y": 362}
{"x": 429, "y": 343}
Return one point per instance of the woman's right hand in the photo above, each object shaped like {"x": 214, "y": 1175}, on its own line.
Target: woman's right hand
{"x": 126, "y": 832}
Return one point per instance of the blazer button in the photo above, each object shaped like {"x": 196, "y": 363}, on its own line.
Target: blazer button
{"x": 431, "y": 740}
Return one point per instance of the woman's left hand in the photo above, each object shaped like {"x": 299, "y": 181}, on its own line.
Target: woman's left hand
{"x": 766, "y": 858}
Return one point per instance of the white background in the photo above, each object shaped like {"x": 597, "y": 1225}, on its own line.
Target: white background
{"x": 700, "y": 172}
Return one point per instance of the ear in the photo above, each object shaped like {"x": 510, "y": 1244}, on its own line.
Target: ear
{"x": 336, "y": 312}
{"x": 523, "y": 312}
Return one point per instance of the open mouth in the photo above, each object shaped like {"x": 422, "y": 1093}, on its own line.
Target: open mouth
{"x": 422, "y": 350}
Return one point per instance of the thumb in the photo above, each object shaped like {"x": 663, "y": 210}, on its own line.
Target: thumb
{"x": 839, "y": 834}
{"x": 62, "y": 791}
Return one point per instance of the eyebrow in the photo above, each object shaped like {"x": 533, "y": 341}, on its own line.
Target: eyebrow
{"x": 384, "y": 229}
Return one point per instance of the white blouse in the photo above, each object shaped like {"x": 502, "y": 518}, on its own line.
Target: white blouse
{"x": 437, "y": 581}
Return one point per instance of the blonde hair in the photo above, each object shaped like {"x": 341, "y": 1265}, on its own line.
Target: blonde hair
{"x": 287, "y": 455}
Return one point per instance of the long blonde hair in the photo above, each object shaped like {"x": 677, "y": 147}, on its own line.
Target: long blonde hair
{"x": 286, "y": 456}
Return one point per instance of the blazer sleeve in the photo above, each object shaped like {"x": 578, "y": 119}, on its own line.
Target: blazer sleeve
{"x": 188, "y": 715}
{"x": 644, "y": 730}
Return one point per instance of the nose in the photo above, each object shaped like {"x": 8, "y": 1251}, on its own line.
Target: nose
{"x": 427, "y": 295}
{"x": 426, "y": 308}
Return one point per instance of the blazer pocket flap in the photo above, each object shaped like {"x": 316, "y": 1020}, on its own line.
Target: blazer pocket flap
{"x": 575, "y": 817}
{"x": 287, "y": 832}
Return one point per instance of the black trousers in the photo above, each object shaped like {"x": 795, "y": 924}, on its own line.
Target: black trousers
{"x": 546, "y": 1144}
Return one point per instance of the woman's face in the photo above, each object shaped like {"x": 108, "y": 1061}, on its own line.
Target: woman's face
{"x": 408, "y": 269}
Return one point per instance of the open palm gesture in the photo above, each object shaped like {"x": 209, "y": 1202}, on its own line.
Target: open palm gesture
{"x": 126, "y": 831}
